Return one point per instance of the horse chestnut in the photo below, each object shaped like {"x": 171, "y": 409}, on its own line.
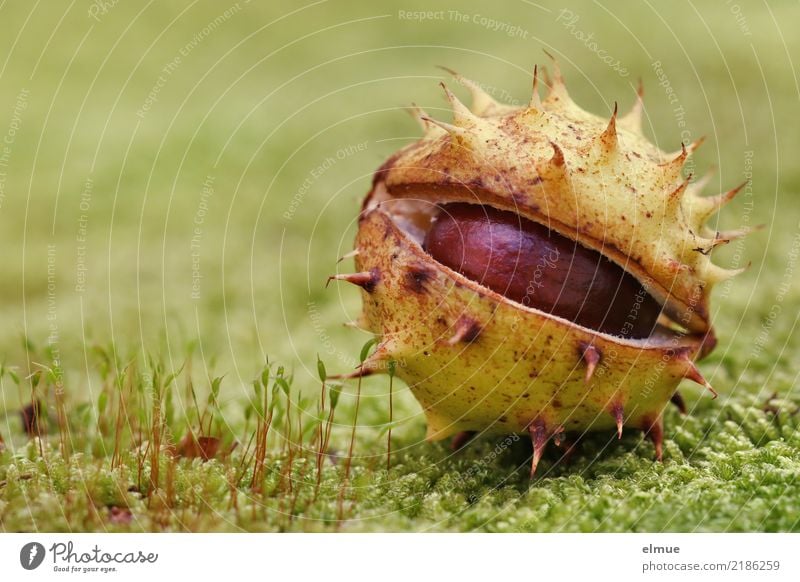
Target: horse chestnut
{"x": 536, "y": 267}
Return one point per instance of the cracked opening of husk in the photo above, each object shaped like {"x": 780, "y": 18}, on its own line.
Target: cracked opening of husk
{"x": 531, "y": 265}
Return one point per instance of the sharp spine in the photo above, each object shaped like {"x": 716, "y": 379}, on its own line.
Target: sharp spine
{"x": 678, "y": 401}
{"x": 555, "y": 168}
{"x": 466, "y": 330}
{"x": 461, "y": 439}
{"x": 536, "y": 100}
{"x": 350, "y": 255}
{"x": 609, "y": 141}
{"x": 462, "y": 116}
{"x": 677, "y": 194}
{"x": 739, "y": 232}
{"x": 693, "y": 373}
{"x": 557, "y": 158}
{"x": 422, "y": 118}
{"x": 618, "y": 412}
{"x": 673, "y": 169}
{"x": 539, "y": 436}
{"x": 654, "y": 429}
{"x": 365, "y": 279}
{"x": 591, "y": 357}
{"x": 482, "y": 102}
{"x": 558, "y": 89}
{"x": 687, "y": 150}
{"x": 449, "y": 128}
{"x": 709, "y": 205}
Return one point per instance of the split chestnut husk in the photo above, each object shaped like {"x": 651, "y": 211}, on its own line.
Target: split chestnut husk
{"x": 538, "y": 270}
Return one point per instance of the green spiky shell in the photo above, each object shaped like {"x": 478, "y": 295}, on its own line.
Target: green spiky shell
{"x": 478, "y": 361}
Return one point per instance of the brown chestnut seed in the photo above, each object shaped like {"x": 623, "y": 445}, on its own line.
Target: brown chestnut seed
{"x": 537, "y": 267}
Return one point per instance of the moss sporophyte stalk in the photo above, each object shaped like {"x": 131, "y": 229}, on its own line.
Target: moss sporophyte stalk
{"x": 538, "y": 269}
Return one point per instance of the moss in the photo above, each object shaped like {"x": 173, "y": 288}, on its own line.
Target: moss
{"x": 731, "y": 464}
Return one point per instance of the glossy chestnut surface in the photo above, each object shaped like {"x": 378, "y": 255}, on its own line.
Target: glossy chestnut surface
{"x": 539, "y": 268}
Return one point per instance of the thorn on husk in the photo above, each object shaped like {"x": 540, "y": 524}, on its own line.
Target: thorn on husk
{"x": 557, "y": 159}
{"x": 350, "y": 255}
{"x": 366, "y": 279}
{"x": 461, "y": 439}
{"x": 466, "y": 330}
{"x": 654, "y": 429}
{"x": 693, "y": 374}
{"x": 539, "y": 434}
{"x": 608, "y": 139}
{"x": 449, "y": 128}
{"x": 678, "y": 401}
{"x": 591, "y": 357}
{"x": 536, "y": 101}
{"x": 618, "y": 413}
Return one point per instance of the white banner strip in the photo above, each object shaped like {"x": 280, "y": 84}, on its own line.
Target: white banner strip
{"x": 400, "y": 557}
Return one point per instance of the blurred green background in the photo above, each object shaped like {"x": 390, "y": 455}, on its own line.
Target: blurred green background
{"x": 191, "y": 171}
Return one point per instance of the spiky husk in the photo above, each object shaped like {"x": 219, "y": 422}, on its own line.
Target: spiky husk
{"x": 477, "y": 361}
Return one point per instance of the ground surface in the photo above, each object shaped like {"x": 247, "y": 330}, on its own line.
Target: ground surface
{"x": 181, "y": 179}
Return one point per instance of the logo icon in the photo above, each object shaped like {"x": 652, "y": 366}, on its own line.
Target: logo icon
{"x": 31, "y": 555}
